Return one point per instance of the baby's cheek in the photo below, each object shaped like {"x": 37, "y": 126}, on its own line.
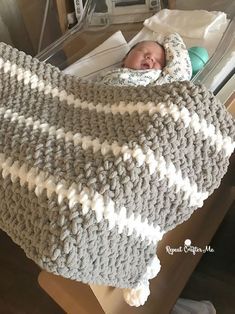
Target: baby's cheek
{"x": 157, "y": 66}
{"x": 134, "y": 64}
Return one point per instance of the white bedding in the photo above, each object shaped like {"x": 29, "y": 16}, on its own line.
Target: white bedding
{"x": 105, "y": 57}
{"x": 197, "y": 28}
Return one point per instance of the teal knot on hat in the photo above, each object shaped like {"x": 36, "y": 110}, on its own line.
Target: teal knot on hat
{"x": 198, "y": 57}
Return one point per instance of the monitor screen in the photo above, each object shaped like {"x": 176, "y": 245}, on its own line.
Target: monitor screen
{"x": 122, "y": 3}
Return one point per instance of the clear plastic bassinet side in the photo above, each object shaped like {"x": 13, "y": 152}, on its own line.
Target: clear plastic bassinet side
{"x": 96, "y": 23}
{"x": 221, "y": 66}
{"x": 89, "y": 33}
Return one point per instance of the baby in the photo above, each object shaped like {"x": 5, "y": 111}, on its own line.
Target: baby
{"x": 149, "y": 63}
{"x": 145, "y": 55}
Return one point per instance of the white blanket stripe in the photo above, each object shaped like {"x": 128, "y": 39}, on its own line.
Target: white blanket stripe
{"x": 154, "y": 163}
{"x": 38, "y": 181}
{"x": 208, "y": 131}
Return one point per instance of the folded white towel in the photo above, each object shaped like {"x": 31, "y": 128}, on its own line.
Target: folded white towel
{"x": 189, "y": 24}
{"x": 104, "y": 57}
{"x": 192, "y": 23}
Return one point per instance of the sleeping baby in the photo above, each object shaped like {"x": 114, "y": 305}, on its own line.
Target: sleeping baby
{"x": 149, "y": 63}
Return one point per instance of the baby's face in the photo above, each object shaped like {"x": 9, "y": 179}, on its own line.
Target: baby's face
{"x": 145, "y": 55}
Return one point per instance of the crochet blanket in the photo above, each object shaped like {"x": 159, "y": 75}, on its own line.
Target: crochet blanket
{"x": 93, "y": 176}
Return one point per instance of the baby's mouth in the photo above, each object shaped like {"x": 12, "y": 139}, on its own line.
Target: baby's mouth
{"x": 145, "y": 66}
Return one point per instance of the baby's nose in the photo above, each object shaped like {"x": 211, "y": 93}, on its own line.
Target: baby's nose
{"x": 148, "y": 56}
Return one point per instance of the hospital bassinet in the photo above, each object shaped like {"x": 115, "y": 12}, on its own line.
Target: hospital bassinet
{"x": 176, "y": 269}
{"x": 95, "y": 27}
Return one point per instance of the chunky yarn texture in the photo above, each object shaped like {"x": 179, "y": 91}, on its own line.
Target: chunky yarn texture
{"x": 93, "y": 176}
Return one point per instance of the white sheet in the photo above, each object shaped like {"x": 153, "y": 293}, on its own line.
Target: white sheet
{"x": 106, "y": 56}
